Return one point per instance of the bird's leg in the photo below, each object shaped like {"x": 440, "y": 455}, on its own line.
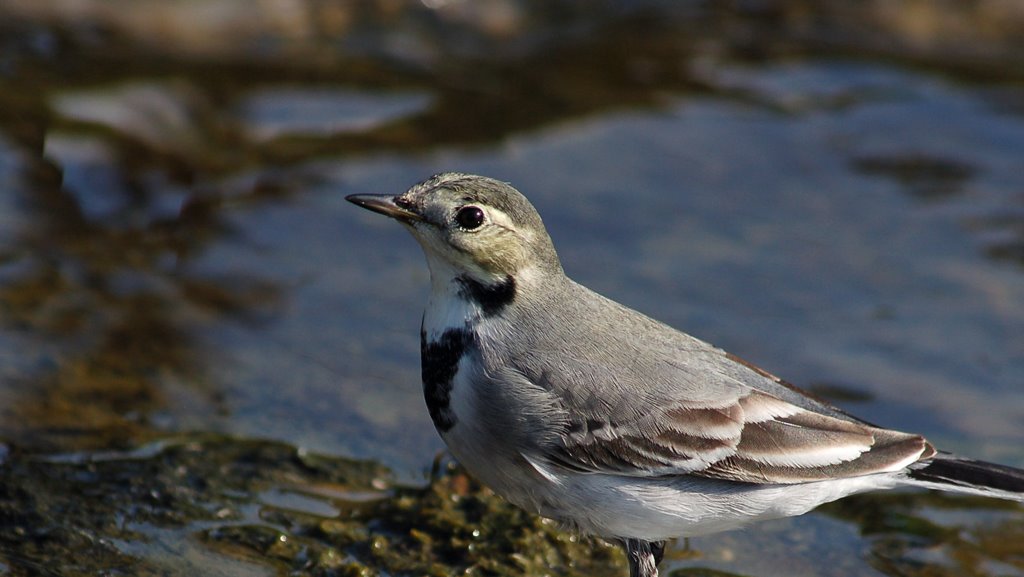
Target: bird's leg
{"x": 643, "y": 557}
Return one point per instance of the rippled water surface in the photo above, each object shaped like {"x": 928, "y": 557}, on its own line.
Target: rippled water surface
{"x": 210, "y": 360}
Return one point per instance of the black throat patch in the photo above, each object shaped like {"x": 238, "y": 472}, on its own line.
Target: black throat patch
{"x": 492, "y": 298}
{"x": 439, "y": 362}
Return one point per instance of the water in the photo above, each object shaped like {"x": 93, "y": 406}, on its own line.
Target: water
{"x": 180, "y": 275}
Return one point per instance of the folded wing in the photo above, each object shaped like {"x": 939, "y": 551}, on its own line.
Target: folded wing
{"x": 752, "y": 438}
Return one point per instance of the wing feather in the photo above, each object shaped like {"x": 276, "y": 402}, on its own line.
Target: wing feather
{"x": 755, "y": 439}
{"x": 778, "y": 442}
{"x": 721, "y": 423}
{"x": 892, "y": 451}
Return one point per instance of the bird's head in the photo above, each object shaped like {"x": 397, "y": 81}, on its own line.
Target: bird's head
{"x": 471, "y": 226}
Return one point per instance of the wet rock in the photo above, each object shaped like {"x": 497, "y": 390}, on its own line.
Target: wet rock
{"x": 89, "y": 506}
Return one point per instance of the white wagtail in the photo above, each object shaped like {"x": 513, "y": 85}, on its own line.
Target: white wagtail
{"x": 580, "y": 409}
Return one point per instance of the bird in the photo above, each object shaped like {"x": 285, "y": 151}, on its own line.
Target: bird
{"x": 580, "y": 409}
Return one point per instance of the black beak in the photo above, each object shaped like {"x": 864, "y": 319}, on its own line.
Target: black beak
{"x": 388, "y": 205}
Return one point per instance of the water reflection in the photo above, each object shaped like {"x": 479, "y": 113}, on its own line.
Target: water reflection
{"x": 926, "y": 177}
{"x": 97, "y": 278}
{"x": 937, "y": 534}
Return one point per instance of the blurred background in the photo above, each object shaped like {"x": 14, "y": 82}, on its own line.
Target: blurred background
{"x": 210, "y": 361}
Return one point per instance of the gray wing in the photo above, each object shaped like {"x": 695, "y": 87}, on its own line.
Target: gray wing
{"x": 753, "y": 438}
{"x": 653, "y": 401}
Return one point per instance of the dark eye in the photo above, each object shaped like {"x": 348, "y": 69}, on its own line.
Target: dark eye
{"x": 469, "y": 217}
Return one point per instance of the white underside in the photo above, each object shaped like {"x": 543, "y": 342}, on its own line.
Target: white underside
{"x": 664, "y": 508}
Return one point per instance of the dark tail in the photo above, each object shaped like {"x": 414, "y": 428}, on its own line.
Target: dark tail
{"x": 951, "y": 473}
